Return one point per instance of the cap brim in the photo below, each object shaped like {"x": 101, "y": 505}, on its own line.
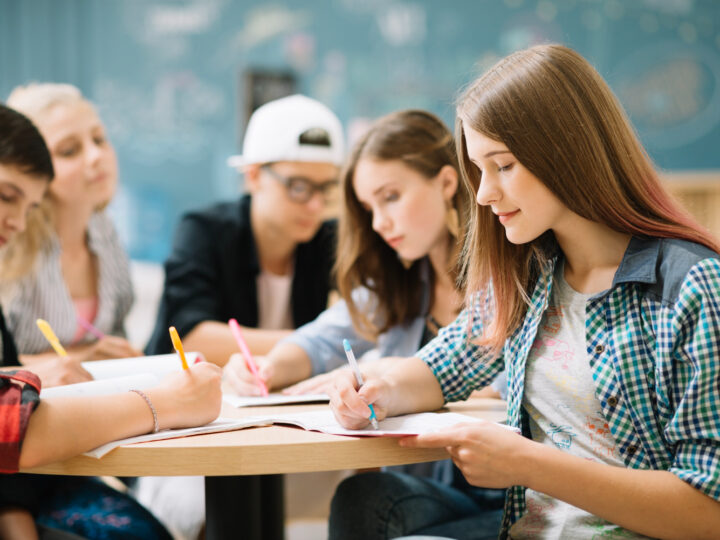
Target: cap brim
{"x": 236, "y": 162}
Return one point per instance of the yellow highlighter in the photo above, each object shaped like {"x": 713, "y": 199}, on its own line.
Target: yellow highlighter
{"x": 178, "y": 346}
{"x": 54, "y": 342}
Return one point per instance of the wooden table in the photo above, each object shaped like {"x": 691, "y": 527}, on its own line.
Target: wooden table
{"x": 244, "y": 496}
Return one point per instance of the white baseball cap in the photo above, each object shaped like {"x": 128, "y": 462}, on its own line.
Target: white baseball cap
{"x": 293, "y": 128}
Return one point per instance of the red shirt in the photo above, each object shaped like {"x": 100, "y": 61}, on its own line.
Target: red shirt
{"x": 19, "y": 395}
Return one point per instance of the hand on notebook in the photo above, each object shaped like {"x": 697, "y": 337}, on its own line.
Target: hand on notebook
{"x": 241, "y": 380}
{"x": 59, "y": 371}
{"x": 350, "y": 405}
{"x": 189, "y": 397}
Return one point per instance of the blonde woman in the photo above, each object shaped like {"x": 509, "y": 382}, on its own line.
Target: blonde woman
{"x": 68, "y": 266}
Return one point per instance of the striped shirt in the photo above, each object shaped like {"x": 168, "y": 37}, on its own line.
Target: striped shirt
{"x": 653, "y": 344}
{"x": 43, "y": 293}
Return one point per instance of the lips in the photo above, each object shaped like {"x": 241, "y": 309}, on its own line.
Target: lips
{"x": 394, "y": 242}
{"x": 504, "y": 217}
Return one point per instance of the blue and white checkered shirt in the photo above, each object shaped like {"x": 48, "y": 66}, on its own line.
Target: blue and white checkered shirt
{"x": 653, "y": 340}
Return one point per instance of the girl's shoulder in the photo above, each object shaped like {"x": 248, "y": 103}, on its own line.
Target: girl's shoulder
{"x": 680, "y": 261}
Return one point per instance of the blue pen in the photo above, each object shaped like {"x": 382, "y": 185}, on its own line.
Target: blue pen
{"x": 358, "y": 376}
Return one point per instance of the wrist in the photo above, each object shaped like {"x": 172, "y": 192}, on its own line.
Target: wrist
{"x": 164, "y": 408}
{"x": 531, "y": 460}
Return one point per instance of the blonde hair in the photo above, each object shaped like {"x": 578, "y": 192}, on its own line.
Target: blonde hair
{"x": 34, "y": 101}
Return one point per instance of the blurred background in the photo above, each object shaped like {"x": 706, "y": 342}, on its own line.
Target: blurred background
{"x": 176, "y": 80}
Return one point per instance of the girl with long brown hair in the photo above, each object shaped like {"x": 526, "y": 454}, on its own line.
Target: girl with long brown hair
{"x": 396, "y": 268}
{"x": 601, "y": 299}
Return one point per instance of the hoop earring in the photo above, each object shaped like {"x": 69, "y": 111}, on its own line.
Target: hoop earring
{"x": 452, "y": 221}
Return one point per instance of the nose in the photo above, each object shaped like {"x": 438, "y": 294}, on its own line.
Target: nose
{"x": 488, "y": 190}
{"x": 316, "y": 203}
{"x": 92, "y": 152}
{"x": 16, "y": 220}
{"x": 380, "y": 221}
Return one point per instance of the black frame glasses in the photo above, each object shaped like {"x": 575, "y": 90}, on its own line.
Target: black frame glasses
{"x": 301, "y": 189}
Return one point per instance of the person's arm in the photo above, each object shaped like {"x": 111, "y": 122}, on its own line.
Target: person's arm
{"x": 653, "y": 503}
{"x": 448, "y": 368}
{"x": 312, "y": 349}
{"x": 66, "y": 426}
{"x": 215, "y": 341}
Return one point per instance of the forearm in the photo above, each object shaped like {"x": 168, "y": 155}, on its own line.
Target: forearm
{"x": 654, "y": 503}
{"x": 414, "y": 388}
{"x": 64, "y": 427}
{"x": 215, "y": 341}
{"x": 290, "y": 364}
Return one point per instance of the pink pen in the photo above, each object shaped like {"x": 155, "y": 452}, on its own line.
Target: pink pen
{"x": 90, "y": 328}
{"x": 237, "y": 334}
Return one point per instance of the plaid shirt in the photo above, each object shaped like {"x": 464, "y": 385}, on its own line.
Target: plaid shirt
{"x": 19, "y": 395}
{"x": 653, "y": 341}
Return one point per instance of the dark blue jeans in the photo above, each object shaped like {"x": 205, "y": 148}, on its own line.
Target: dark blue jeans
{"x": 383, "y": 505}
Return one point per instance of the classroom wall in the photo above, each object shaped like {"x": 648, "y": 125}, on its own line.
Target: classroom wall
{"x": 166, "y": 75}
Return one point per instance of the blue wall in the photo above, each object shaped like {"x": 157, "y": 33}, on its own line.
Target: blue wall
{"x": 166, "y": 75}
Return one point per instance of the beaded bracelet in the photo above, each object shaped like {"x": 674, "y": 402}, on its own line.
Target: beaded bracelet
{"x": 156, "y": 426}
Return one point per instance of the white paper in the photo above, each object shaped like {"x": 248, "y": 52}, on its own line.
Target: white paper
{"x": 159, "y": 365}
{"x": 274, "y": 399}
{"x": 221, "y": 424}
{"x": 409, "y": 424}
{"x": 140, "y": 381}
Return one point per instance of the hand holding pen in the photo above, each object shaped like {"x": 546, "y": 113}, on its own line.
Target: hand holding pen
{"x": 354, "y": 401}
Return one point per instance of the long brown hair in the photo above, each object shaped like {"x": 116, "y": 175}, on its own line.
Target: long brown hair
{"x": 560, "y": 119}
{"x": 423, "y": 143}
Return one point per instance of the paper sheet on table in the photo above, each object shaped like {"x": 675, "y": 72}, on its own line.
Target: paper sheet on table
{"x": 102, "y": 387}
{"x": 409, "y": 424}
{"x": 221, "y": 424}
{"x": 273, "y": 399}
{"x": 159, "y": 365}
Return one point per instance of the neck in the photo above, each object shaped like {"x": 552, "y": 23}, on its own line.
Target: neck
{"x": 71, "y": 222}
{"x": 439, "y": 256}
{"x": 593, "y": 253}
{"x": 275, "y": 251}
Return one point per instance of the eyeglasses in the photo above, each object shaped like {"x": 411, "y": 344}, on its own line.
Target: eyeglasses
{"x": 301, "y": 189}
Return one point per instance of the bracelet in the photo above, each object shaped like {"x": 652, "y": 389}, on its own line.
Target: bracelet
{"x": 156, "y": 426}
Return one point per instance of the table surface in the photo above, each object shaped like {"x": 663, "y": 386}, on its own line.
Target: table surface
{"x": 262, "y": 450}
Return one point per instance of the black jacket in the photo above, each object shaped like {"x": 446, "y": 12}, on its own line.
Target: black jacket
{"x": 7, "y": 348}
{"x": 212, "y": 270}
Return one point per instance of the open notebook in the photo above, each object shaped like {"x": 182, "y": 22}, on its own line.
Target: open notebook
{"x": 323, "y": 421}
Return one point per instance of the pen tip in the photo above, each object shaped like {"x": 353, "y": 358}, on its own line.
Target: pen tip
{"x": 374, "y": 423}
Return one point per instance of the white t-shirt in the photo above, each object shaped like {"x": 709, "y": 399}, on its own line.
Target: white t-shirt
{"x": 274, "y": 301}
{"x": 564, "y": 413}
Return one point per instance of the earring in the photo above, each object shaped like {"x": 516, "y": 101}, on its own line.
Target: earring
{"x": 452, "y": 221}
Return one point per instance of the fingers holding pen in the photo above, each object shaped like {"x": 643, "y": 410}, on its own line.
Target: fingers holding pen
{"x": 350, "y": 405}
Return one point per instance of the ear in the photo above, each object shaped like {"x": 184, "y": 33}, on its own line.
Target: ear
{"x": 448, "y": 178}
{"x": 252, "y": 178}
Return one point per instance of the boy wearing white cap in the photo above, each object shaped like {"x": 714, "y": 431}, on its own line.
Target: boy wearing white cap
{"x": 266, "y": 258}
